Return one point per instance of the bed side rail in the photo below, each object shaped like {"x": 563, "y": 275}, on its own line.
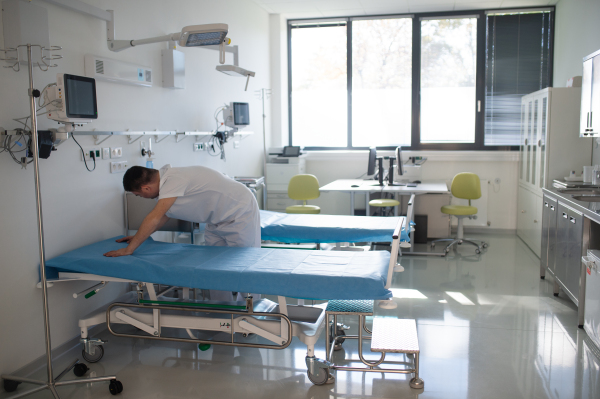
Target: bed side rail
{"x": 395, "y": 250}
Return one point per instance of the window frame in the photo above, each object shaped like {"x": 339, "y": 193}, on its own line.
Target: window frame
{"x": 416, "y": 144}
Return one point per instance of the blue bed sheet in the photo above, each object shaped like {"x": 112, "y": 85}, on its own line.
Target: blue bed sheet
{"x": 286, "y": 272}
{"x": 302, "y": 228}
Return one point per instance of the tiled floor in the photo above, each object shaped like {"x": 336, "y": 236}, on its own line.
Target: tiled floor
{"x": 488, "y": 328}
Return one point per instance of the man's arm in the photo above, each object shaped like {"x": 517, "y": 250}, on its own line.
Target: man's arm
{"x": 155, "y": 219}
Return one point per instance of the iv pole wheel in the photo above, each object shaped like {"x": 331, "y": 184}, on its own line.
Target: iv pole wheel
{"x": 95, "y": 357}
{"x": 80, "y": 369}
{"x": 115, "y": 387}
{"x": 10, "y": 385}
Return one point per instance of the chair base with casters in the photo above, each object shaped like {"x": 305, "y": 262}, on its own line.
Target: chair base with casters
{"x": 383, "y": 203}
{"x": 460, "y": 238}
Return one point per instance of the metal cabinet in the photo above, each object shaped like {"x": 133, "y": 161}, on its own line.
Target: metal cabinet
{"x": 590, "y": 96}
{"x": 568, "y": 250}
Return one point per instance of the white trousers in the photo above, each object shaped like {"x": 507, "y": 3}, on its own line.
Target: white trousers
{"x": 242, "y": 232}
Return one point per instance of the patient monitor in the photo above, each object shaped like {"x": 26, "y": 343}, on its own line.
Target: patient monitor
{"x": 72, "y": 100}
{"x": 236, "y": 115}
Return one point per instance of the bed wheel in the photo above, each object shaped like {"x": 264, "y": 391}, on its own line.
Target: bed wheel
{"x": 319, "y": 379}
{"x": 95, "y": 357}
{"x": 10, "y": 385}
{"x": 80, "y": 369}
{"x": 115, "y": 387}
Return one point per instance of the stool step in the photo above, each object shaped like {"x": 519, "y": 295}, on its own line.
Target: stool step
{"x": 353, "y": 306}
{"x": 394, "y": 335}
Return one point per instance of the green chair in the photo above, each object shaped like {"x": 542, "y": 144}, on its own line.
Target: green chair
{"x": 464, "y": 186}
{"x": 303, "y": 187}
{"x": 383, "y": 203}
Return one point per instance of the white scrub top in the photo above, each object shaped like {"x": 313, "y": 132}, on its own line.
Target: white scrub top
{"x": 205, "y": 195}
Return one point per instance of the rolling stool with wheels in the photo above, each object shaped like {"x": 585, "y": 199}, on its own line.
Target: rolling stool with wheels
{"x": 383, "y": 203}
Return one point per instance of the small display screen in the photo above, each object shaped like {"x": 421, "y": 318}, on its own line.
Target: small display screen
{"x": 80, "y": 97}
{"x": 241, "y": 114}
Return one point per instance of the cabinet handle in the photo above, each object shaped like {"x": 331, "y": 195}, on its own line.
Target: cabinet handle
{"x": 572, "y": 220}
{"x": 526, "y": 141}
{"x": 546, "y": 204}
{"x": 540, "y": 143}
{"x": 535, "y": 221}
{"x": 551, "y": 207}
{"x": 564, "y": 215}
{"x": 523, "y": 211}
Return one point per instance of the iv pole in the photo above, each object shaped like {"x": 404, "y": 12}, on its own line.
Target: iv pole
{"x": 262, "y": 94}
{"x": 52, "y": 382}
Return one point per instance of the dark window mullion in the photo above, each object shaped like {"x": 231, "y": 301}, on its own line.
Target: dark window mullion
{"x": 289, "y": 57}
{"x": 416, "y": 84}
{"x": 480, "y": 82}
{"x": 349, "y": 78}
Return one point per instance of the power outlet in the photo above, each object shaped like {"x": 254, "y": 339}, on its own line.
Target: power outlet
{"x": 105, "y": 153}
{"x": 118, "y": 167}
{"x": 116, "y": 152}
{"x": 199, "y": 146}
{"x": 236, "y": 144}
{"x": 89, "y": 154}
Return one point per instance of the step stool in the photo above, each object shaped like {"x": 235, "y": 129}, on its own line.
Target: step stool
{"x": 398, "y": 336}
{"x": 388, "y": 335}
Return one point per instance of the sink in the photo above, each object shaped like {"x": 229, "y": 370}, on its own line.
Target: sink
{"x": 578, "y": 191}
{"x": 587, "y": 198}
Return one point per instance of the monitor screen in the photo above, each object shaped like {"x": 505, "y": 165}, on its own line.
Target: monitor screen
{"x": 80, "y": 97}
{"x": 399, "y": 161}
{"x": 372, "y": 156}
{"x": 241, "y": 114}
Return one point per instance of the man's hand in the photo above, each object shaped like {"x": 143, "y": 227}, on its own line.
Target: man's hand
{"x": 119, "y": 252}
{"x": 125, "y": 239}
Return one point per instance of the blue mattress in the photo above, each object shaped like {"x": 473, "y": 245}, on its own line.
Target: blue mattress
{"x": 301, "y": 228}
{"x": 286, "y": 272}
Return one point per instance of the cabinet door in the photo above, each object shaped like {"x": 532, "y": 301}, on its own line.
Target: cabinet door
{"x": 522, "y": 149}
{"x": 528, "y": 135}
{"x": 545, "y": 227}
{"x": 541, "y": 143}
{"x": 535, "y": 123}
{"x": 595, "y": 108}
{"x": 536, "y": 225}
{"x": 562, "y": 240}
{"x": 586, "y": 96}
{"x": 552, "y": 223}
{"x": 574, "y": 252}
{"x": 522, "y": 214}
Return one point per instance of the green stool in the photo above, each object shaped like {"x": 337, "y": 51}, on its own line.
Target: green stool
{"x": 383, "y": 203}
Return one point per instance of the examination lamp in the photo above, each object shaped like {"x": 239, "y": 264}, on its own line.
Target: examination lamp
{"x": 234, "y": 70}
{"x": 190, "y": 36}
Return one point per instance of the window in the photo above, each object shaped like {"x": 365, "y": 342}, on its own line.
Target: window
{"x": 319, "y": 85}
{"x": 518, "y": 62}
{"x": 381, "y": 82}
{"x": 426, "y": 81}
{"x": 448, "y": 71}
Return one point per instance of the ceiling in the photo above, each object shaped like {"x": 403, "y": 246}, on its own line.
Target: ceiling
{"x": 336, "y": 8}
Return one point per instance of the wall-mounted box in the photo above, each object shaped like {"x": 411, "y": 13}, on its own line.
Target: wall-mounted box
{"x": 173, "y": 67}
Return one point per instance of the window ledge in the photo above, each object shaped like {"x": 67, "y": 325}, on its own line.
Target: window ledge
{"x": 432, "y": 156}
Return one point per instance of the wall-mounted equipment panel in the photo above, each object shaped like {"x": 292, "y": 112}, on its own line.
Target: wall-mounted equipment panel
{"x": 115, "y": 71}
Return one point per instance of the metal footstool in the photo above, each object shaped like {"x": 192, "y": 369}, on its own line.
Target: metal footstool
{"x": 388, "y": 335}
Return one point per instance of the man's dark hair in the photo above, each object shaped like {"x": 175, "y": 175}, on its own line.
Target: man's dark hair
{"x": 137, "y": 176}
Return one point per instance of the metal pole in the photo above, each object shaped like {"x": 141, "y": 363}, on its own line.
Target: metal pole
{"x": 264, "y": 193}
{"x": 38, "y": 200}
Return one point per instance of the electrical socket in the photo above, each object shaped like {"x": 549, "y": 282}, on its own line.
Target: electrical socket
{"x": 87, "y": 153}
{"x": 118, "y": 167}
{"x": 497, "y": 180}
{"x": 116, "y": 152}
{"x": 105, "y": 153}
{"x": 199, "y": 147}
{"x": 236, "y": 144}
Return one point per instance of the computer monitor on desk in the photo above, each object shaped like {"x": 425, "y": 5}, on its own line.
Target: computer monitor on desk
{"x": 372, "y": 163}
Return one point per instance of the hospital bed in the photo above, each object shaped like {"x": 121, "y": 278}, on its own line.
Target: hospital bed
{"x": 284, "y": 273}
{"x": 288, "y": 228}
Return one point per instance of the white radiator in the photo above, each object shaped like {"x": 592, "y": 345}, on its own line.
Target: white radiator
{"x": 481, "y": 204}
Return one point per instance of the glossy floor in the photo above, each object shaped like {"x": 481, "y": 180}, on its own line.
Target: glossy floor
{"x": 488, "y": 328}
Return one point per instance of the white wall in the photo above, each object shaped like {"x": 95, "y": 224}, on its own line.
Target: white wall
{"x": 81, "y": 207}
{"x": 577, "y": 35}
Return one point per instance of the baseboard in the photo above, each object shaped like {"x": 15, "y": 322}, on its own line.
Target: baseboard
{"x": 57, "y": 353}
{"x": 487, "y": 230}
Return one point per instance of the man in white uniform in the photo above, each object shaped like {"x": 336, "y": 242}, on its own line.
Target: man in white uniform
{"x": 196, "y": 194}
